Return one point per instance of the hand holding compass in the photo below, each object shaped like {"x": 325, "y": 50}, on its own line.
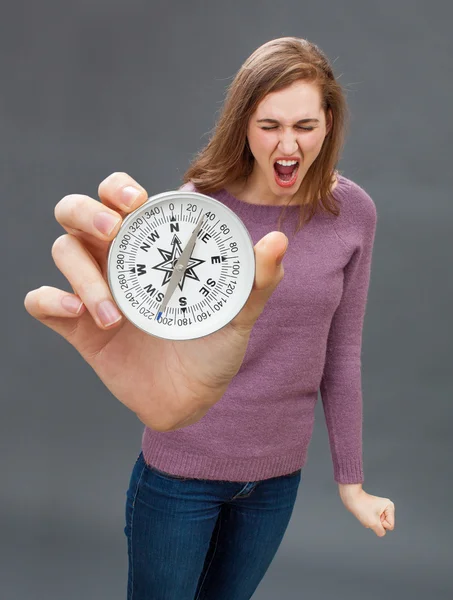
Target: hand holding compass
{"x": 164, "y": 382}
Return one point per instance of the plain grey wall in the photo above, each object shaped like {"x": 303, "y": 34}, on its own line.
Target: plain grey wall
{"x": 95, "y": 86}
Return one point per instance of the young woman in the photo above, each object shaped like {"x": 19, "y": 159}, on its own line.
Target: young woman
{"x": 229, "y": 417}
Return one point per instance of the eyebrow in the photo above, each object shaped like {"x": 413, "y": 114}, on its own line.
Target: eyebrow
{"x": 300, "y": 121}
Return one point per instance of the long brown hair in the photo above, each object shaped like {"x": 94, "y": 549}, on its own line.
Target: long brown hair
{"x": 273, "y": 66}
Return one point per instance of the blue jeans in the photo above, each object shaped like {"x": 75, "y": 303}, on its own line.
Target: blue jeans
{"x": 199, "y": 539}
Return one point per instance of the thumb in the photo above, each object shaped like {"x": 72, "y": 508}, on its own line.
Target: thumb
{"x": 269, "y": 252}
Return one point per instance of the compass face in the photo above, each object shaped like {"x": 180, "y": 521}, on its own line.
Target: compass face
{"x": 212, "y": 288}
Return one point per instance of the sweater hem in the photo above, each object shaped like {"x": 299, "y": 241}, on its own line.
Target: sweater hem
{"x": 181, "y": 463}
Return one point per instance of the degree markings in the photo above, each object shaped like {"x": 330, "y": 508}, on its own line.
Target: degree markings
{"x": 148, "y": 229}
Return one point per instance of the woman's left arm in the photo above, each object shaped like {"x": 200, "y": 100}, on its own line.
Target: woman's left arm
{"x": 340, "y": 387}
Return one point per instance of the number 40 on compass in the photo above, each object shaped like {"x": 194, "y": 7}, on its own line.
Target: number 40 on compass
{"x": 181, "y": 266}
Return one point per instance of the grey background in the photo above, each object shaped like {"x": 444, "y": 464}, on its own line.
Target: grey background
{"x": 92, "y": 87}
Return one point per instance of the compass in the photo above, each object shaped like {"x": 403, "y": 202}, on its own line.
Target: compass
{"x": 181, "y": 266}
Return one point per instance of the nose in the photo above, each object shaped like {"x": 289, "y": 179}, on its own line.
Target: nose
{"x": 288, "y": 142}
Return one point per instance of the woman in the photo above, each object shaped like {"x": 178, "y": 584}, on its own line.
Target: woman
{"x": 229, "y": 417}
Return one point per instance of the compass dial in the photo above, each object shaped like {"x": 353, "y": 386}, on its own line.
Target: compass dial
{"x": 214, "y": 282}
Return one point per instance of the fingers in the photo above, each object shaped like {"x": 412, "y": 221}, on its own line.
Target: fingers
{"x": 119, "y": 193}
{"x": 48, "y": 301}
{"x": 81, "y": 255}
{"x": 388, "y": 518}
{"x": 82, "y": 213}
{"x": 86, "y": 279}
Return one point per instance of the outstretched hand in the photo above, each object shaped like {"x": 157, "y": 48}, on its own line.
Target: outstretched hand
{"x": 164, "y": 382}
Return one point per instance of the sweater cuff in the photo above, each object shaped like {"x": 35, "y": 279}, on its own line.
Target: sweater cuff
{"x": 348, "y": 471}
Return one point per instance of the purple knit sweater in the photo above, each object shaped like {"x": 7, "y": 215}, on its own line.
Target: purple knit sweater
{"x": 307, "y": 338}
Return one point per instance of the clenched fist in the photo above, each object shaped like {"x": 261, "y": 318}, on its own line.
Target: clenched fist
{"x": 168, "y": 384}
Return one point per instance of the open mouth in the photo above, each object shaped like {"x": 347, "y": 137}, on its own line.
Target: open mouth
{"x": 286, "y": 174}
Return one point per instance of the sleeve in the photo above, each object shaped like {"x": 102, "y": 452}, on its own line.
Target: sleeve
{"x": 341, "y": 385}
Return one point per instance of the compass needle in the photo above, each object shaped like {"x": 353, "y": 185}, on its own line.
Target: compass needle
{"x": 149, "y": 243}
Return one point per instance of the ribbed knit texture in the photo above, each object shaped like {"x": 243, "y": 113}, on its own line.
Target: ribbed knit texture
{"x": 308, "y": 338}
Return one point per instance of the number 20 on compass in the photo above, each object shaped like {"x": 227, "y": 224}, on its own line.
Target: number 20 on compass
{"x": 181, "y": 266}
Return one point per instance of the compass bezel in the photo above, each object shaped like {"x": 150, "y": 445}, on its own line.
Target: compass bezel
{"x": 225, "y": 313}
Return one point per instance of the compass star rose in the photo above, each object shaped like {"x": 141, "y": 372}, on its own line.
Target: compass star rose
{"x": 170, "y": 259}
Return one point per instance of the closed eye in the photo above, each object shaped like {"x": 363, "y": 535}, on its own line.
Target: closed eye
{"x": 297, "y": 127}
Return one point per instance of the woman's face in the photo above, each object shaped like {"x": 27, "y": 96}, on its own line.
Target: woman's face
{"x": 287, "y": 125}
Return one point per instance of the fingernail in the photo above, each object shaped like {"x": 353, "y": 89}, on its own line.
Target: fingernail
{"x": 108, "y": 313}
{"x": 73, "y": 305}
{"x": 130, "y": 195}
{"x": 105, "y": 222}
